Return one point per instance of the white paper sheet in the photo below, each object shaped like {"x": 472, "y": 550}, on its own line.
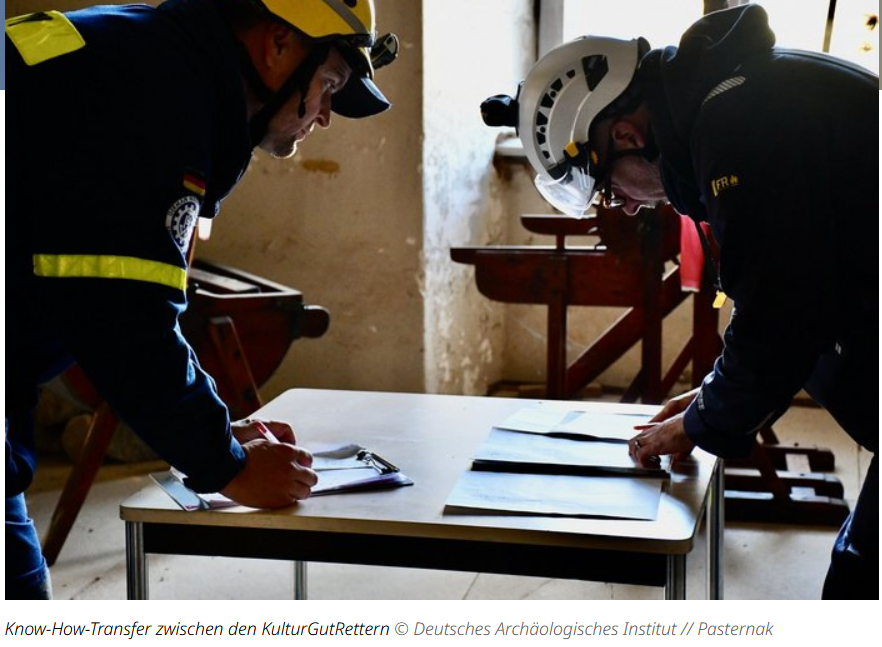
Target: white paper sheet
{"x": 555, "y": 495}
{"x": 541, "y": 419}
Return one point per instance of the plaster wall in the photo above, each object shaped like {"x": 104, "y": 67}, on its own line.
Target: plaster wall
{"x": 471, "y": 51}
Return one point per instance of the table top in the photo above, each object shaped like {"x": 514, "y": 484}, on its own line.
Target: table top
{"x": 432, "y": 439}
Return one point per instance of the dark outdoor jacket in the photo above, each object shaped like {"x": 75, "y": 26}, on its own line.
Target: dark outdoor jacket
{"x": 132, "y": 126}
{"x": 778, "y": 150}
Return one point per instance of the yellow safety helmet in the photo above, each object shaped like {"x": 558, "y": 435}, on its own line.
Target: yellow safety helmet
{"x": 350, "y": 26}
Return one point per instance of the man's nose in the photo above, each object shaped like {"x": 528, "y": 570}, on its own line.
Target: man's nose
{"x": 323, "y": 118}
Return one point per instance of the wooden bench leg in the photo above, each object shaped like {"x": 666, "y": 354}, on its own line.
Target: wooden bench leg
{"x": 781, "y": 497}
{"x": 76, "y": 488}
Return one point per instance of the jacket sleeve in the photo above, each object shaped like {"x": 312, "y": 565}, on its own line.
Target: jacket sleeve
{"x": 125, "y": 336}
{"x": 776, "y": 263}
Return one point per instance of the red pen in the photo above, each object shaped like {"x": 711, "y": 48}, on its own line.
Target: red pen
{"x": 265, "y": 432}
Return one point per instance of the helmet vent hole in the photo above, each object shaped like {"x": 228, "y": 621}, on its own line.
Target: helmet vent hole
{"x": 571, "y": 74}
{"x": 546, "y": 154}
{"x": 541, "y": 119}
{"x": 557, "y": 85}
{"x": 547, "y": 101}
{"x": 540, "y": 138}
{"x": 595, "y": 67}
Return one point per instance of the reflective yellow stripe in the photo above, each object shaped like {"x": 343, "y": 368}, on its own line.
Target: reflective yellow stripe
{"x": 69, "y": 266}
{"x": 43, "y": 36}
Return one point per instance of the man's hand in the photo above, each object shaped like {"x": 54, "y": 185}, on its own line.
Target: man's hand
{"x": 276, "y": 474}
{"x": 664, "y": 434}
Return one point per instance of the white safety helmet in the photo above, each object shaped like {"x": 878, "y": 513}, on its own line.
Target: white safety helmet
{"x": 563, "y": 95}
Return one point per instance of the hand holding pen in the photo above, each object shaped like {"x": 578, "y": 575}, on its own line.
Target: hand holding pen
{"x": 277, "y": 472}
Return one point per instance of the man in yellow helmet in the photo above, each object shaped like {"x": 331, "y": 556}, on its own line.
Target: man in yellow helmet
{"x": 127, "y": 124}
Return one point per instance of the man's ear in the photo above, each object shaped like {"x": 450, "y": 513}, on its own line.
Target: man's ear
{"x": 278, "y": 40}
{"x": 627, "y": 134}
{"x": 281, "y": 52}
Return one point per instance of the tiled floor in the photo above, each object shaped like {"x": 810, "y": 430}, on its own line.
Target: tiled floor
{"x": 761, "y": 561}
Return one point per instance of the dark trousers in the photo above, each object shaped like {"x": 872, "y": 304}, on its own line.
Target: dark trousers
{"x": 846, "y": 383}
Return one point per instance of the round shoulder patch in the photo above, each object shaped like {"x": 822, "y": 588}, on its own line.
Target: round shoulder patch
{"x": 181, "y": 220}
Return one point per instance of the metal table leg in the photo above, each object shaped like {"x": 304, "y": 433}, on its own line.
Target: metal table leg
{"x": 675, "y": 588}
{"x": 715, "y": 526}
{"x": 299, "y": 580}
{"x": 136, "y": 562}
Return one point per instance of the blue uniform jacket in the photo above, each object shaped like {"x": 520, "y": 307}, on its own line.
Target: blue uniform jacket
{"x": 114, "y": 148}
{"x": 778, "y": 150}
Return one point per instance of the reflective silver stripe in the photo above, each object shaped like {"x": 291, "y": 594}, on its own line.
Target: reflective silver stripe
{"x": 728, "y": 84}
{"x": 348, "y": 16}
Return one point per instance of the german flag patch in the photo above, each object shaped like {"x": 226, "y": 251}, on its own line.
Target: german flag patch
{"x": 195, "y": 183}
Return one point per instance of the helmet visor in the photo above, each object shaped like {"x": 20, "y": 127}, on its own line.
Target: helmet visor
{"x": 571, "y": 194}
{"x": 360, "y": 97}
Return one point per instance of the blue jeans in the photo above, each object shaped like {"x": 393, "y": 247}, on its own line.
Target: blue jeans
{"x": 27, "y": 575}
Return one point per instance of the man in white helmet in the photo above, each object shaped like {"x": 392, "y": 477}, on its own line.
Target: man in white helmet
{"x": 778, "y": 151}
{"x": 126, "y": 123}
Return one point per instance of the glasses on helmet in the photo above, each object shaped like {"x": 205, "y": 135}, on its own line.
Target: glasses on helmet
{"x": 606, "y": 198}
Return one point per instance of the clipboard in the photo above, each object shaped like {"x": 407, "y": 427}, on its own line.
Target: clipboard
{"x": 349, "y": 468}
{"x": 340, "y": 469}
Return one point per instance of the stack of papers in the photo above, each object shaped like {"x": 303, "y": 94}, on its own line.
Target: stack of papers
{"x": 544, "y": 460}
{"x": 512, "y": 451}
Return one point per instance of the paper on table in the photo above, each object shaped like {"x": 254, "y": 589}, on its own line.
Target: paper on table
{"x": 615, "y": 427}
{"x": 555, "y": 495}
{"x": 512, "y": 451}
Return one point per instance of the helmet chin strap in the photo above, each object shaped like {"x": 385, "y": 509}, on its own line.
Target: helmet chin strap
{"x": 299, "y": 81}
